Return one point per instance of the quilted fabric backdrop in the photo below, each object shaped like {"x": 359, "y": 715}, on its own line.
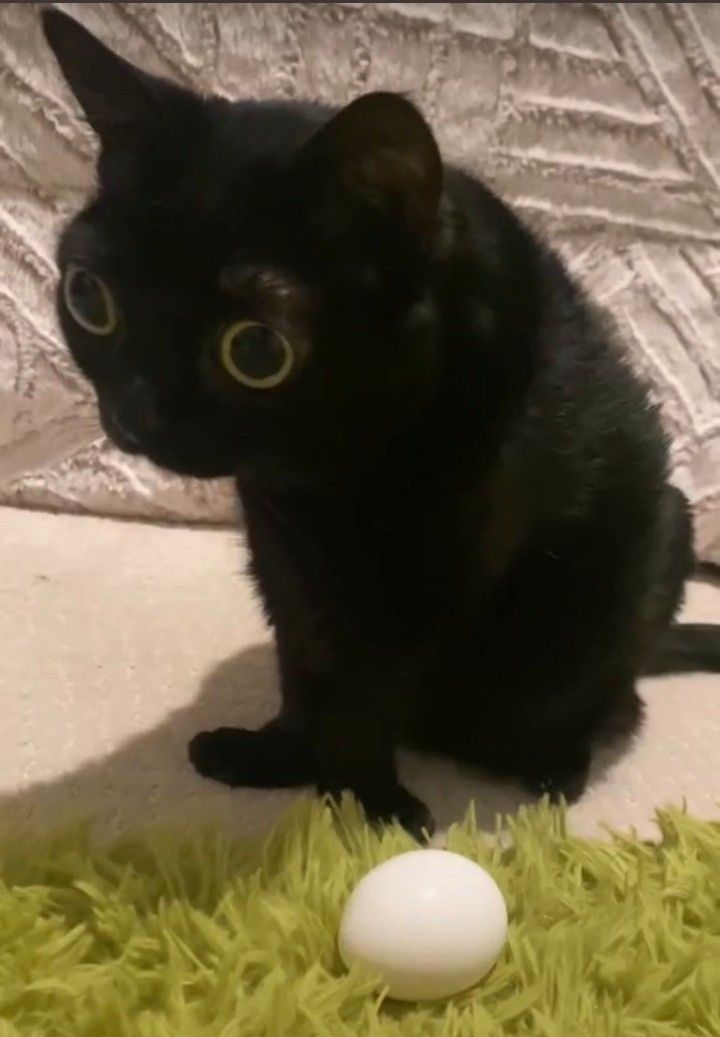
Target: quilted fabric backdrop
{"x": 599, "y": 121}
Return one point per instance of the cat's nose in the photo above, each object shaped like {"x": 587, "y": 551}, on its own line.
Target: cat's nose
{"x": 133, "y": 415}
{"x": 124, "y": 436}
{"x": 137, "y": 409}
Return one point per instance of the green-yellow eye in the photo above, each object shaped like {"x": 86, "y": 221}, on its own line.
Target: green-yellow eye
{"x": 255, "y": 355}
{"x": 89, "y": 301}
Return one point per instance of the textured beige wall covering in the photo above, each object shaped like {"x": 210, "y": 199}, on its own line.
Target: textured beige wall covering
{"x": 599, "y": 121}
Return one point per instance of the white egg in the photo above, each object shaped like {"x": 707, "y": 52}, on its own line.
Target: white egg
{"x": 430, "y": 922}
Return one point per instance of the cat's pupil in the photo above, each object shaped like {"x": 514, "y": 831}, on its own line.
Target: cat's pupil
{"x": 87, "y": 300}
{"x": 258, "y": 351}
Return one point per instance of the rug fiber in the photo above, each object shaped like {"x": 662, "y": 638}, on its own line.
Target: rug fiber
{"x": 169, "y": 935}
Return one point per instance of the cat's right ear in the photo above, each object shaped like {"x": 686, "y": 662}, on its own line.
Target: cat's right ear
{"x": 116, "y": 97}
{"x": 375, "y": 162}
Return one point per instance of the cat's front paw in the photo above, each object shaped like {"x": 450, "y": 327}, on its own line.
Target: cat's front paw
{"x": 269, "y": 758}
{"x": 566, "y": 781}
{"x": 393, "y": 803}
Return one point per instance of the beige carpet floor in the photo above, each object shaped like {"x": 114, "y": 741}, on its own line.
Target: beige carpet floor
{"x": 119, "y": 641}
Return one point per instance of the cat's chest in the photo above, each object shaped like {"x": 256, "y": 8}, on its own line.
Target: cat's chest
{"x": 332, "y": 563}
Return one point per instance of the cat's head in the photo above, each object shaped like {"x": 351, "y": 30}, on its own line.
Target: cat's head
{"x": 249, "y": 284}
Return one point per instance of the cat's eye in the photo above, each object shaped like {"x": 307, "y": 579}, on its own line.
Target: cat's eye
{"x": 89, "y": 301}
{"x": 256, "y": 355}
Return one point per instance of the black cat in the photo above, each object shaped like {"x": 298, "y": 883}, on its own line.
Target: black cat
{"x": 455, "y": 489}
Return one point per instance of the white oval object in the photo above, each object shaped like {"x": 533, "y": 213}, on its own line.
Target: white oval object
{"x": 430, "y": 922}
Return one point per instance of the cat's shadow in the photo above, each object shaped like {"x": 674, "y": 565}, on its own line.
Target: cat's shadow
{"x": 149, "y": 779}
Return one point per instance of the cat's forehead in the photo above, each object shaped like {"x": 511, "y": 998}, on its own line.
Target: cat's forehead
{"x": 163, "y": 235}
{"x": 239, "y": 178}
{"x": 224, "y": 206}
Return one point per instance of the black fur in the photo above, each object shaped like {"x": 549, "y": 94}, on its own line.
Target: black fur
{"x": 457, "y": 506}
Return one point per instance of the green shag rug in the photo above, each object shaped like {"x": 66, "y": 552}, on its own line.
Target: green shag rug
{"x": 162, "y": 935}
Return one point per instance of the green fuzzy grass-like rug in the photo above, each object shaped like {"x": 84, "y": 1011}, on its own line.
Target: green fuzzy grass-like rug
{"x": 163, "y": 935}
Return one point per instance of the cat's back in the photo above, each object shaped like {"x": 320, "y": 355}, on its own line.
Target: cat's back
{"x": 586, "y": 390}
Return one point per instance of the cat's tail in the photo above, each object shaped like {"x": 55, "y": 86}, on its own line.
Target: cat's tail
{"x": 686, "y": 648}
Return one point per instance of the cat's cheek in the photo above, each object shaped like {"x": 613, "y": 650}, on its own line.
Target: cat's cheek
{"x": 192, "y": 463}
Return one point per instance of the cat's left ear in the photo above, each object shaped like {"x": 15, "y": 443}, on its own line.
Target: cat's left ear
{"x": 377, "y": 159}
{"x": 117, "y": 98}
